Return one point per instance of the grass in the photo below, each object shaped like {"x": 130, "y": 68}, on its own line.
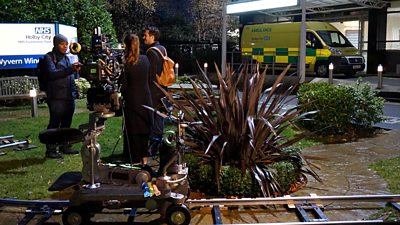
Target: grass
{"x": 27, "y": 174}
{"x": 385, "y": 169}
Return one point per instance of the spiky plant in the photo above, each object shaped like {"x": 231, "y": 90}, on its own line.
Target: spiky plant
{"x": 242, "y": 125}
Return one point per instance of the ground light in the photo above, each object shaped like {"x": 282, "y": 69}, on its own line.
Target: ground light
{"x": 33, "y": 95}
{"x": 176, "y": 70}
{"x": 330, "y": 73}
{"x": 380, "y": 78}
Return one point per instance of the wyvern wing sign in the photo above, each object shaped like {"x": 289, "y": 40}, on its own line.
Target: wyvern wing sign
{"x": 22, "y": 44}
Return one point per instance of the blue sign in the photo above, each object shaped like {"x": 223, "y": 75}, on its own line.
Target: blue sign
{"x": 42, "y": 30}
{"x": 19, "y": 61}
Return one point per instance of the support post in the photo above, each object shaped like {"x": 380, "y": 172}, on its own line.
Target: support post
{"x": 223, "y": 42}
{"x": 302, "y": 62}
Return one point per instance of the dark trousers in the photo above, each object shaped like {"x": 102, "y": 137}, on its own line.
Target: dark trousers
{"x": 157, "y": 129}
{"x": 135, "y": 147}
{"x": 61, "y": 112}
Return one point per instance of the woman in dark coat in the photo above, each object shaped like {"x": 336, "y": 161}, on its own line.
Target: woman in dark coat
{"x": 135, "y": 92}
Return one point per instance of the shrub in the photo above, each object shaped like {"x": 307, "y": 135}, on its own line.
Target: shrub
{"x": 82, "y": 86}
{"x": 334, "y": 106}
{"x": 235, "y": 183}
{"x": 341, "y": 109}
{"x": 241, "y": 129}
{"x": 368, "y": 107}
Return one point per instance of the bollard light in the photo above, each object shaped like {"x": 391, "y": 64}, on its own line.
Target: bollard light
{"x": 176, "y": 71}
{"x": 205, "y": 67}
{"x": 380, "y": 68}
{"x": 330, "y": 67}
{"x": 380, "y": 77}
{"x": 33, "y": 95}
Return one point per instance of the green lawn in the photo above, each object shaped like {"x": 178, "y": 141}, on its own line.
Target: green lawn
{"x": 27, "y": 174}
{"x": 385, "y": 169}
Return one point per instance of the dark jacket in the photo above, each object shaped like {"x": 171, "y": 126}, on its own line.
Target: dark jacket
{"x": 156, "y": 66}
{"x": 135, "y": 91}
{"x": 60, "y": 77}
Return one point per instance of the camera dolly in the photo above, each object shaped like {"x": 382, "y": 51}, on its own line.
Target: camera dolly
{"x": 109, "y": 186}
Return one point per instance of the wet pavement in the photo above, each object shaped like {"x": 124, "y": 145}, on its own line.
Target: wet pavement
{"x": 344, "y": 167}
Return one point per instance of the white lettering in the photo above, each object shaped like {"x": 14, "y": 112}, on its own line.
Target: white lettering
{"x": 31, "y": 61}
{"x": 11, "y": 62}
{"x": 34, "y": 37}
{"x": 46, "y": 37}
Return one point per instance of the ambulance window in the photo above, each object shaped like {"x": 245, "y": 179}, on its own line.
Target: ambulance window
{"x": 312, "y": 41}
{"x": 334, "y": 39}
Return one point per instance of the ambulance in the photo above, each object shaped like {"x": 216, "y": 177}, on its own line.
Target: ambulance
{"x": 278, "y": 44}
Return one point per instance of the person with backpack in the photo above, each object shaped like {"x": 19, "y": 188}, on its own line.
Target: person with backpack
{"x": 151, "y": 35}
{"x": 60, "y": 91}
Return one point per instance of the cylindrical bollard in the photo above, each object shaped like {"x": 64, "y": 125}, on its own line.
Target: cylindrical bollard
{"x": 330, "y": 73}
{"x": 380, "y": 77}
{"x": 205, "y": 68}
{"x": 34, "y": 107}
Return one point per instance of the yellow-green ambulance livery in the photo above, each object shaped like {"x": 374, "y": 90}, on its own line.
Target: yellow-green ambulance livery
{"x": 278, "y": 44}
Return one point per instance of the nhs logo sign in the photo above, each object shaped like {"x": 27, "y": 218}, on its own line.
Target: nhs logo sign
{"x": 42, "y": 30}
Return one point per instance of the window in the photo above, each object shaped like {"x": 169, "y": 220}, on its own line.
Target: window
{"x": 393, "y": 30}
{"x": 334, "y": 38}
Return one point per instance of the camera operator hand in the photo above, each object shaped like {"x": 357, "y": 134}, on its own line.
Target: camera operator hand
{"x": 76, "y": 67}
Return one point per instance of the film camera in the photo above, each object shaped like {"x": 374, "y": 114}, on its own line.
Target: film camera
{"x": 103, "y": 72}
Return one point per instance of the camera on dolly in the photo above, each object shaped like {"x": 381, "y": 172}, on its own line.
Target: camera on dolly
{"x": 103, "y": 72}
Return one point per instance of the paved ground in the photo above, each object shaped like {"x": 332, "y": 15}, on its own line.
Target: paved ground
{"x": 390, "y": 85}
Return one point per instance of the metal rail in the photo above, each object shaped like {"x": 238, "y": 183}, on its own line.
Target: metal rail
{"x": 45, "y": 208}
{"x": 192, "y": 203}
{"x": 302, "y": 204}
{"x": 327, "y": 222}
{"x": 33, "y": 203}
{"x": 307, "y": 208}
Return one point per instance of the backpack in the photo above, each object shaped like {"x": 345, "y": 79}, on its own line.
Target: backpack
{"x": 167, "y": 76}
{"x": 41, "y": 71}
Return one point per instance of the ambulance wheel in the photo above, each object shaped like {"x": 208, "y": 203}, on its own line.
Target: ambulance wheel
{"x": 321, "y": 69}
{"x": 75, "y": 216}
{"x": 178, "y": 215}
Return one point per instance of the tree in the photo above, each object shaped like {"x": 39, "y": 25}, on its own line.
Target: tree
{"x": 173, "y": 18}
{"x": 84, "y": 14}
{"x": 131, "y": 15}
{"x": 207, "y": 21}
